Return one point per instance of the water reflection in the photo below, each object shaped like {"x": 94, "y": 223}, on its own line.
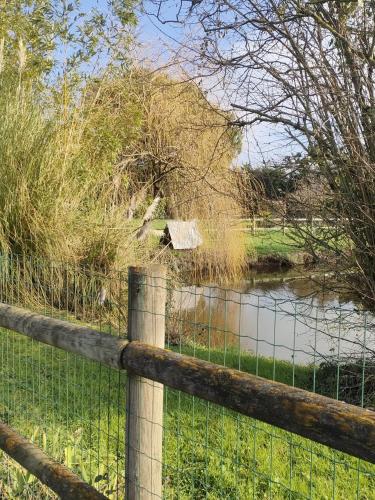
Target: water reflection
{"x": 294, "y": 320}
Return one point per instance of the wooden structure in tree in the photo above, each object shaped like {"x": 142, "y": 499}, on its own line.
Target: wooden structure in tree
{"x": 182, "y": 235}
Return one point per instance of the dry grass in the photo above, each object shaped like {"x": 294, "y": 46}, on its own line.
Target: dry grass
{"x": 223, "y": 256}
{"x": 56, "y": 195}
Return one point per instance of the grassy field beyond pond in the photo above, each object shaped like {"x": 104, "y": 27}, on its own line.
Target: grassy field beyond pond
{"x": 272, "y": 242}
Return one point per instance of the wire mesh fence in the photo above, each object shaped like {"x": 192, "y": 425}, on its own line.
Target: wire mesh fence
{"x": 74, "y": 409}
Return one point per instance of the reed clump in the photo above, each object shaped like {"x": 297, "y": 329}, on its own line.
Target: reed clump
{"x": 57, "y": 189}
{"x": 223, "y": 257}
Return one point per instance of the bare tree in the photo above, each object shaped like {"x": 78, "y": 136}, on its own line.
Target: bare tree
{"x": 306, "y": 68}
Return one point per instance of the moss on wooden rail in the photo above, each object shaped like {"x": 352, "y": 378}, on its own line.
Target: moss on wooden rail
{"x": 334, "y": 423}
{"x": 87, "y": 342}
{"x": 54, "y": 475}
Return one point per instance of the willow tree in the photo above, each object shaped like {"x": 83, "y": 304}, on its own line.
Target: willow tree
{"x": 184, "y": 156}
{"x": 177, "y": 153}
{"x": 305, "y": 68}
{"x": 175, "y": 144}
{"x": 185, "y": 149}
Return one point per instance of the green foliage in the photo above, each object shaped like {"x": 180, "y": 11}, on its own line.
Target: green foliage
{"x": 27, "y": 36}
{"x": 38, "y": 37}
{"x": 277, "y": 180}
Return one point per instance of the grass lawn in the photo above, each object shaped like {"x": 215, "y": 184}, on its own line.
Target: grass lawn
{"x": 159, "y": 224}
{"x": 267, "y": 242}
{"x": 75, "y": 410}
{"x": 271, "y": 242}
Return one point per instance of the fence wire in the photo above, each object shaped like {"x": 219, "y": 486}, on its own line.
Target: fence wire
{"x": 74, "y": 409}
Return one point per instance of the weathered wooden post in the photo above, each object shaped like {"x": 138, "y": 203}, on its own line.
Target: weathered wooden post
{"x": 144, "y": 398}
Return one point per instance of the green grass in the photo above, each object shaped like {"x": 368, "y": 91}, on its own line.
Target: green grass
{"x": 159, "y": 224}
{"x": 75, "y": 409}
{"x": 273, "y": 242}
{"x": 265, "y": 242}
{"x": 282, "y": 371}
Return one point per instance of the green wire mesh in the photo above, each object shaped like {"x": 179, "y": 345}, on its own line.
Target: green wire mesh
{"x": 75, "y": 409}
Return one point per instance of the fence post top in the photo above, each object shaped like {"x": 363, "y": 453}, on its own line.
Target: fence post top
{"x": 155, "y": 270}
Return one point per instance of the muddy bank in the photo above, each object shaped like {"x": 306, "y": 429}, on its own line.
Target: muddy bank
{"x": 184, "y": 265}
{"x": 275, "y": 261}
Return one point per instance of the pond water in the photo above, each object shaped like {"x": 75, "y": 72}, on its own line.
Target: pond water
{"x": 281, "y": 316}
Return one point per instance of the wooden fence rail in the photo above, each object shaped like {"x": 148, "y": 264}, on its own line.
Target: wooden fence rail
{"x": 91, "y": 344}
{"x": 56, "y": 476}
{"x": 334, "y": 423}
{"x": 281, "y": 223}
{"x": 340, "y": 425}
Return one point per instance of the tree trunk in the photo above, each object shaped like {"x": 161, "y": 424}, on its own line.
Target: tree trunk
{"x": 143, "y": 231}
